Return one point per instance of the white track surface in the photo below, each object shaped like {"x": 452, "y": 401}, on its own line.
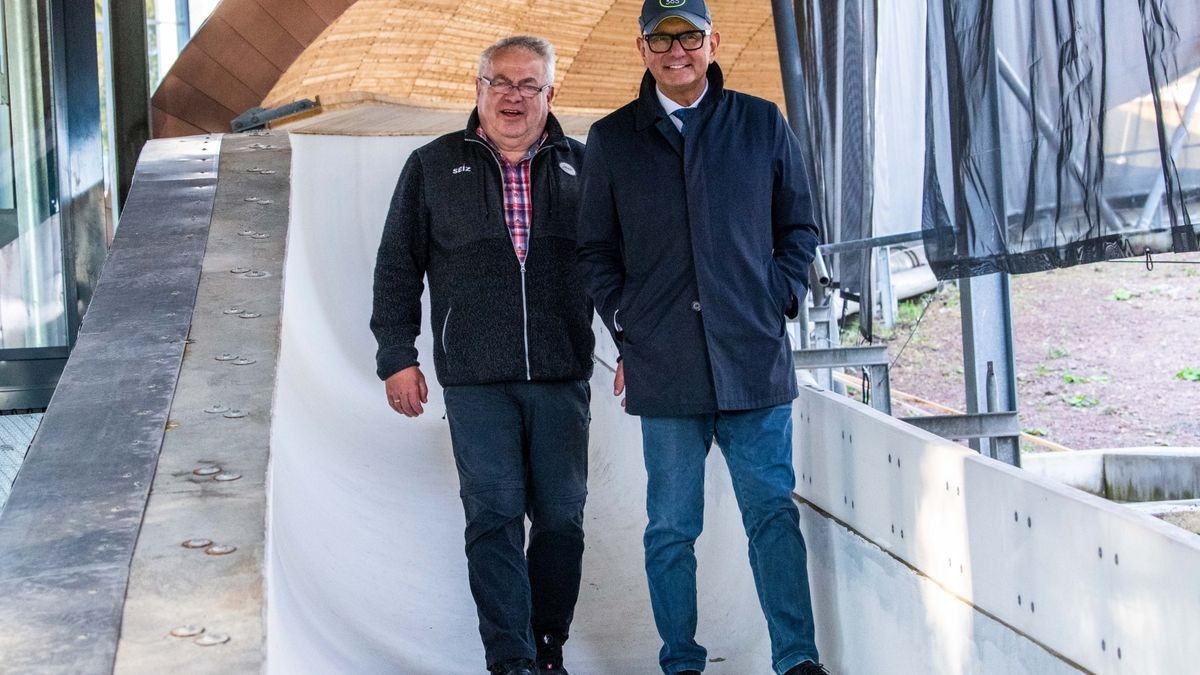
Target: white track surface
{"x": 948, "y": 555}
{"x": 367, "y": 571}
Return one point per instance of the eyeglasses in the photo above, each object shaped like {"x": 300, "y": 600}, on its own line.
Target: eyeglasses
{"x": 504, "y": 87}
{"x": 660, "y": 43}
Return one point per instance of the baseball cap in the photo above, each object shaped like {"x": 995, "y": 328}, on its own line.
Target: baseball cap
{"x": 694, "y": 12}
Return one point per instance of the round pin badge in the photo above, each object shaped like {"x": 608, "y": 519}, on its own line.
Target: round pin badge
{"x": 567, "y": 168}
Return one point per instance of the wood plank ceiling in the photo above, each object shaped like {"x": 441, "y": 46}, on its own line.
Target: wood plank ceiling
{"x": 423, "y": 53}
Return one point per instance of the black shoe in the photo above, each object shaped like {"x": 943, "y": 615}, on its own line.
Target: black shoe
{"x": 512, "y": 667}
{"x": 549, "y": 655}
{"x": 807, "y": 668}
{"x": 688, "y": 672}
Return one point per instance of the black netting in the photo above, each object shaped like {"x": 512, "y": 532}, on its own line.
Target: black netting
{"x": 837, "y": 55}
{"x": 1056, "y": 132}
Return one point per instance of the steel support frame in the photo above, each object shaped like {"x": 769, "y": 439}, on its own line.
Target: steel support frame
{"x": 989, "y": 363}
{"x": 979, "y": 425}
{"x": 889, "y": 305}
{"x": 988, "y": 345}
{"x": 1046, "y": 129}
{"x": 873, "y": 359}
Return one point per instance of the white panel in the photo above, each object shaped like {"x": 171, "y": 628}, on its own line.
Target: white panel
{"x": 899, "y": 111}
{"x": 876, "y": 615}
{"x": 1110, "y": 589}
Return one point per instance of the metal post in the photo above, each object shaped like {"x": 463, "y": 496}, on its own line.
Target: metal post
{"x": 802, "y": 319}
{"x": 888, "y": 306}
{"x": 987, "y": 341}
{"x": 80, "y": 160}
{"x": 131, "y": 87}
{"x": 986, "y": 309}
{"x": 788, "y": 44}
{"x": 839, "y": 32}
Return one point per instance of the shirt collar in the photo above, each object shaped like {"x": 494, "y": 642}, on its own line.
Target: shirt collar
{"x": 671, "y": 106}
{"x": 528, "y": 153}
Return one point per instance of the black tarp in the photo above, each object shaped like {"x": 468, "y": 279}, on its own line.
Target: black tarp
{"x": 1053, "y": 132}
{"x": 837, "y": 48}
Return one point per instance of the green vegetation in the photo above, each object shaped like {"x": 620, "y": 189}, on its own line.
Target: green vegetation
{"x": 1072, "y": 378}
{"x": 909, "y": 311}
{"x": 1057, "y": 352}
{"x": 1040, "y": 433}
{"x": 849, "y": 333}
{"x": 1189, "y": 374}
{"x": 1081, "y": 401}
{"x": 1121, "y": 295}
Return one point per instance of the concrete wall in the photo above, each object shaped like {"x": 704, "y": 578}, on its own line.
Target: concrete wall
{"x": 1088, "y": 582}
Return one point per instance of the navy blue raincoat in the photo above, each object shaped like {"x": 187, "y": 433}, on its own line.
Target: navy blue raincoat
{"x": 694, "y": 248}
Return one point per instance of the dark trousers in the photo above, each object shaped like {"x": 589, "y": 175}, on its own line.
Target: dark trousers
{"x": 521, "y": 449}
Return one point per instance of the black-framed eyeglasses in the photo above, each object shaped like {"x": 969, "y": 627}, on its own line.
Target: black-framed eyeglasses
{"x": 660, "y": 43}
{"x": 504, "y": 87}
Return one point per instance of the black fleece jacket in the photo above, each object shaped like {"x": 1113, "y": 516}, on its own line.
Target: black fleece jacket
{"x": 494, "y": 319}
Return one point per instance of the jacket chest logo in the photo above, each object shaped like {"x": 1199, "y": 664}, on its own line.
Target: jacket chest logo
{"x": 460, "y": 169}
{"x": 567, "y": 168}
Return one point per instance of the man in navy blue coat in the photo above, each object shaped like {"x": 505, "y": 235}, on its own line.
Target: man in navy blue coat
{"x": 695, "y": 237}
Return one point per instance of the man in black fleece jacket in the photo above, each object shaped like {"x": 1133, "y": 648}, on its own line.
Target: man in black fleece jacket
{"x": 488, "y": 215}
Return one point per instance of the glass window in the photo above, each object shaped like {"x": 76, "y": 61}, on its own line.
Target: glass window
{"x": 32, "y": 306}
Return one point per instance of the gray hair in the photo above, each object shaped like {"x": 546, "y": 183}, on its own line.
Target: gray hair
{"x": 539, "y": 46}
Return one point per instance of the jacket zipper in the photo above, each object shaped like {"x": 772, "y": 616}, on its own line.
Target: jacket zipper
{"x": 445, "y": 323}
{"x": 525, "y": 311}
{"x": 528, "y": 247}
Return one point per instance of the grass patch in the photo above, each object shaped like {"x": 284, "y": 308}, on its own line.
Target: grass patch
{"x": 1081, "y": 401}
{"x": 1057, "y": 352}
{"x": 1122, "y": 294}
{"x": 1189, "y": 374}
{"x": 1072, "y": 378}
{"x": 849, "y": 332}
{"x": 908, "y": 311}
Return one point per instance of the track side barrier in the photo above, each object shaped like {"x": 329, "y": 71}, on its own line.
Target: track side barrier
{"x": 1008, "y": 564}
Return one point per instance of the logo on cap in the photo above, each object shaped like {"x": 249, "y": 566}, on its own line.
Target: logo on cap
{"x": 671, "y": 4}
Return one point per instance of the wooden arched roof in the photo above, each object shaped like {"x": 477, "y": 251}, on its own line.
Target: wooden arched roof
{"x": 423, "y": 53}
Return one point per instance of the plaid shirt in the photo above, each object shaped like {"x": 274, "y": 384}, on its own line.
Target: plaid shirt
{"x": 518, "y": 200}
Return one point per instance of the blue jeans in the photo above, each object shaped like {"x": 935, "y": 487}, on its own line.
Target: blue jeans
{"x": 521, "y": 449}
{"x": 757, "y": 445}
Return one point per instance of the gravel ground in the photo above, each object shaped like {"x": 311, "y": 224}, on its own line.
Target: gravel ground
{"x": 1108, "y": 355}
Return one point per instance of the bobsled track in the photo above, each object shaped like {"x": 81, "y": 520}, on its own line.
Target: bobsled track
{"x": 230, "y": 330}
